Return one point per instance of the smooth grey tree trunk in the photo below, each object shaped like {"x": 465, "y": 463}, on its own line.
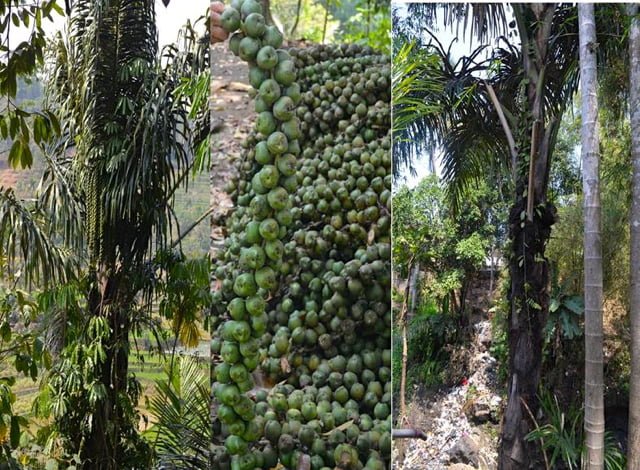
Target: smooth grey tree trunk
{"x": 634, "y": 389}
{"x": 594, "y": 384}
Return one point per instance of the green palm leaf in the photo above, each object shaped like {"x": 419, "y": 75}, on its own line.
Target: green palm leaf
{"x": 182, "y": 426}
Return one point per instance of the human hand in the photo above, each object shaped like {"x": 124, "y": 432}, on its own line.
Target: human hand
{"x": 218, "y": 34}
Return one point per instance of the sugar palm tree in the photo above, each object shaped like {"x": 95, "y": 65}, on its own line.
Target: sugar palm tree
{"x": 129, "y": 127}
{"x": 502, "y": 115}
{"x": 132, "y": 139}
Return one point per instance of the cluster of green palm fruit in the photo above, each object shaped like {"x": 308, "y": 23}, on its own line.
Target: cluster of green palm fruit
{"x": 304, "y": 282}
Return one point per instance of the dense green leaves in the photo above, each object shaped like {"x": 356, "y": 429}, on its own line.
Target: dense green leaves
{"x": 23, "y": 354}
{"x": 183, "y": 294}
{"x": 26, "y": 244}
{"x": 22, "y": 60}
{"x": 448, "y": 246}
{"x": 182, "y": 425}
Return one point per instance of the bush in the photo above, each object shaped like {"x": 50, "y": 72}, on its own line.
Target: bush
{"x": 428, "y": 334}
{"x": 499, "y": 327}
{"x": 562, "y": 439}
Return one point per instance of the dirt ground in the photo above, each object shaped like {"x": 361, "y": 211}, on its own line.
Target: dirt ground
{"x": 231, "y": 120}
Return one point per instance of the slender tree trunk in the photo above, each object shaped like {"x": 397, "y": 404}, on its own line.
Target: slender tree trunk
{"x": 414, "y": 275}
{"x": 463, "y": 295}
{"x": 324, "y": 25}
{"x": 453, "y": 307}
{"x": 297, "y": 20}
{"x": 634, "y": 392}
{"x": 530, "y": 221}
{"x": 594, "y": 388}
{"x": 402, "y": 321}
{"x": 403, "y": 374}
{"x": 491, "y": 271}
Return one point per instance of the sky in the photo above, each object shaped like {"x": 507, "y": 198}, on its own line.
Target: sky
{"x": 169, "y": 19}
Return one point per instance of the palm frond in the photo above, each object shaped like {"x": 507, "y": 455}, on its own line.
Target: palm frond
{"x": 411, "y": 69}
{"x": 57, "y": 197}
{"x": 26, "y": 243}
{"x": 443, "y": 108}
{"x": 483, "y": 21}
{"x": 456, "y": 117}
{"x": 182, "y": 422}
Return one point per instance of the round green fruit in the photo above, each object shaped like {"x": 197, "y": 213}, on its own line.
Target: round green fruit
{"x": 277, "y": 143}
{"x": 267, "y": 58}
{"x": 230, "y": 19}
{"x": 265, "y": 123}
{"x": 269, "y": 90}
{"x": 285, "y": 72}
{"x": 250, "y": 6}
{"x": 273, "y": 37}
{"x": 245, "y": 285}
{"x": 254, "y": 25}
{"x": 248, "y": 48}
{"x": 235, "y": 445}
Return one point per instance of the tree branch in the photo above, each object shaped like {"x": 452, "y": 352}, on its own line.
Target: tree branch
{"x": 192, "y": 226}
{"x": 505, "y": 127}
{"x": 408, "y": 434}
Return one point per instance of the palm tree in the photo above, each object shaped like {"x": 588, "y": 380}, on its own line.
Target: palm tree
{"x": 129, "y": 125}
{"x": 508, "y": 120}
{"x": 132, "y": 136}
{"x": 501, "y": 115}
{"x": 594, "y": 386}
{"x": 105, "y": 88}
{"x": 634, "y": 389}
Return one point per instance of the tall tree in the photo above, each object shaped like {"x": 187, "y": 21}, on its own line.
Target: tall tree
{"x": 634, "y": 389}
{"x": 593, "y": 296}
{"x": 128, "y": 123}
{"x": 508, "y": 120}
{"x": 130, "y": 117}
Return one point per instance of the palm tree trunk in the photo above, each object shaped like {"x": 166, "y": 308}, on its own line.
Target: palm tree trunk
{"x": 529, "y": 299}
{"x": 103, "y": 448}
{"x": 530, "y": 221}
{"x": 594, "y": 388}
{"x": 634, "y": 391}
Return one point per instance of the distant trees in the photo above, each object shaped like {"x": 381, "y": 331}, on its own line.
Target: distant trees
{"x": 450, "y": 245}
